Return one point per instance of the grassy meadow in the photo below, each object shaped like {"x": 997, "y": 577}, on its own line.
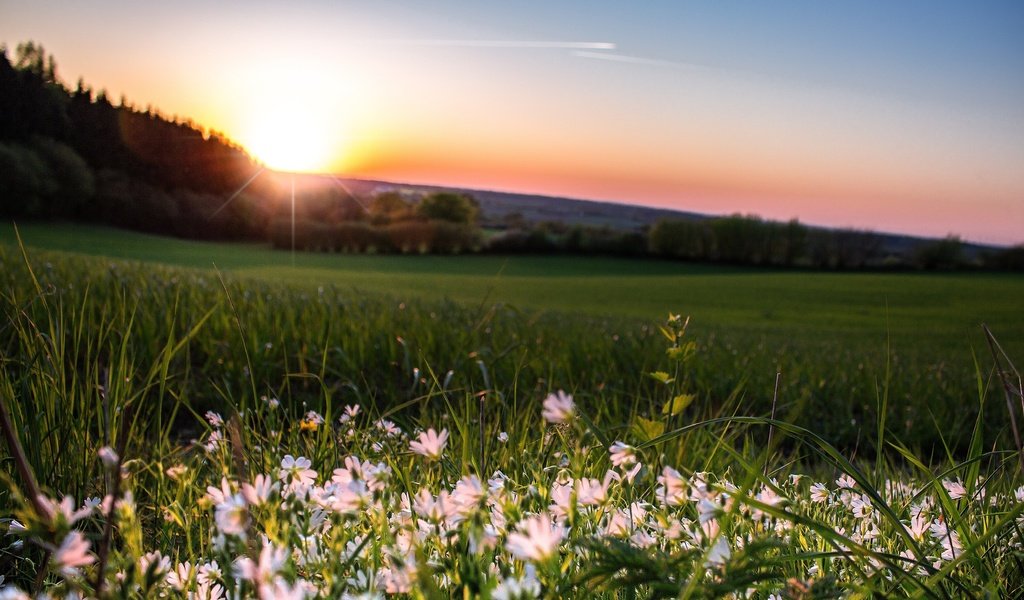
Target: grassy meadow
{"x": 472, "y": 426}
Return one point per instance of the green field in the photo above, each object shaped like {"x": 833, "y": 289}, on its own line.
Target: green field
{"x": 834, "y": 336}
{"x": 117, "y": 339}
{"x": 915, "y": 309}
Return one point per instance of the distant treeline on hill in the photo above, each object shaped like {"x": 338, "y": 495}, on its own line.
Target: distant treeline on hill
{"x": 72, "y": 154}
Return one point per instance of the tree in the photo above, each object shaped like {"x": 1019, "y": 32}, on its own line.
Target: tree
{"x": 389, "y": 207}
{"x": 449, "y": 206}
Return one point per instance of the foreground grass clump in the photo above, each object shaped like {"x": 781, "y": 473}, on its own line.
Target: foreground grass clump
{"x": 265, "y": 506}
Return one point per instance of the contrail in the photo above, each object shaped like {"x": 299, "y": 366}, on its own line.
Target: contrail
{"x": 639, "y": 60}
{"x": 527, "y": 44}
{"x": 237, "y": 192}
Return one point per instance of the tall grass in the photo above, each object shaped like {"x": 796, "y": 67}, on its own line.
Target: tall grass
{"x": 98, "y": 353}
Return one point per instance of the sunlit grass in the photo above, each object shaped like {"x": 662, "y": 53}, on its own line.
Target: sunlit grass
{"x": 99, "y": 353}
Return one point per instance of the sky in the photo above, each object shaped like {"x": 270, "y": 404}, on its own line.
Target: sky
{"x": 893, "y": 116}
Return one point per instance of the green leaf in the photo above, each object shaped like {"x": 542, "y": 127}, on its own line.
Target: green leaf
{"x": 678, "y": 404}
{"x": 647, "y": 429}
{"x": 662, "y": 376}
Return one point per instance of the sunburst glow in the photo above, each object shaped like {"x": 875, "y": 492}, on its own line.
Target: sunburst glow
{"x": 290, "y": 139}
{"x": 291, "y": 120}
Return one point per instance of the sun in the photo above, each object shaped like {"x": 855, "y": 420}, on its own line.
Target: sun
{"x": 289, "y": 115}
{"x": 289, "y": 138}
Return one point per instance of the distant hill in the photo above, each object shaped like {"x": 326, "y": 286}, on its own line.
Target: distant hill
{"x": 498, "y": 209}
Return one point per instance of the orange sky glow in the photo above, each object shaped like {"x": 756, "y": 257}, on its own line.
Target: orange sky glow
{"x": 894, "y": 138}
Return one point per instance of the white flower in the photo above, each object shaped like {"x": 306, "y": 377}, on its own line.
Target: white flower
{"x": 672, "y": 487}
{"x": 558, "y": 407}
{"x": 515, "y": 589}
{"x": 73, "y": 553}
{"x": 12, "y": 593}
{"x": 216, "y": 421}
{"x": 503, "y": 437}
{"x": 846, "y": 482}
{"x": 179, "y": 577}
{"x": 955, "y": 488}
{"x": 259, "y": 491}
{"x": 349, "y": 413}
{"x": 430, "y": 443}
{"x": 389, "y": 428}
{"x": 295, "y": 472}
{"x": 176, "y": 471}
{"x": 622, "y": 455}
{"x": 231, "y": 516}
{"x": 719, "y": 553}
{"x": 65, "y": 508}
{"x": 209, "y": 573}
{"x": 154, "y": 562}
{"x": 819, "y": 493}
{"x": 108, "y": 457}
{"x": 537, "y": 539}
{"x": 271, "y": 560}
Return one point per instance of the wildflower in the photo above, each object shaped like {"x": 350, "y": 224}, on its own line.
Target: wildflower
{"x": 214, "y": 441}
{"x": 179, "y": 577}
{"x": 263, "y": 571}
{"x": 259, "y": 491}
{"x": 214, "y": 419}
{"x": 232, "y": 516}
{"x": 622, "y": 454}
{"x": 511, "y": 588}
{"x": 176, "y": 471}
{"x": 593, "y": 492}
{"x": 348, "y": 414}
{"x": 468, "y": 493}
{"x": 295, "y": 472}
{"x": 65, "y": 508}
{"x": 207, "y": 591}
{"x": 503, "y": 437}
{"x": 209, "y": 573}
{"x": 12, "y": 593}
{"x": 819, "y": 493}
{"x": 955, "y": 488}
{"x": 221, "y": 494}
{"x": 631, "y": 474}
{"x": 672, "y": 487}
{"x": 558, "y": 407}
{"x": 845, "y": 482}
{"x": 719, "y": 553}
{"x": 154, "y": 564}
{"x": 312, "y": 421}
{"x": 537, "y": 539}
{"x": 108, "y": 457}
{"x": 389, "y": 428}
{"x": 72, "y": 553}
{"x": 430, "y": 443}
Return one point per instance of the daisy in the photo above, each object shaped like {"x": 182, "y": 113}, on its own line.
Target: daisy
{"x": 955, "y": 488}
{"x": 622, "y": 455}
{"x": 536, "y": 540}
{"x": 73, "y": 553}
{"x": 295, "y": 472}
{"x": 259, "y": 491}
{"x": 430, "y": 443}
{"x": 558, "y": 407}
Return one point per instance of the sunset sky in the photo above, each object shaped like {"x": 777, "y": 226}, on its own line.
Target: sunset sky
{"x": 896, "y": 116}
